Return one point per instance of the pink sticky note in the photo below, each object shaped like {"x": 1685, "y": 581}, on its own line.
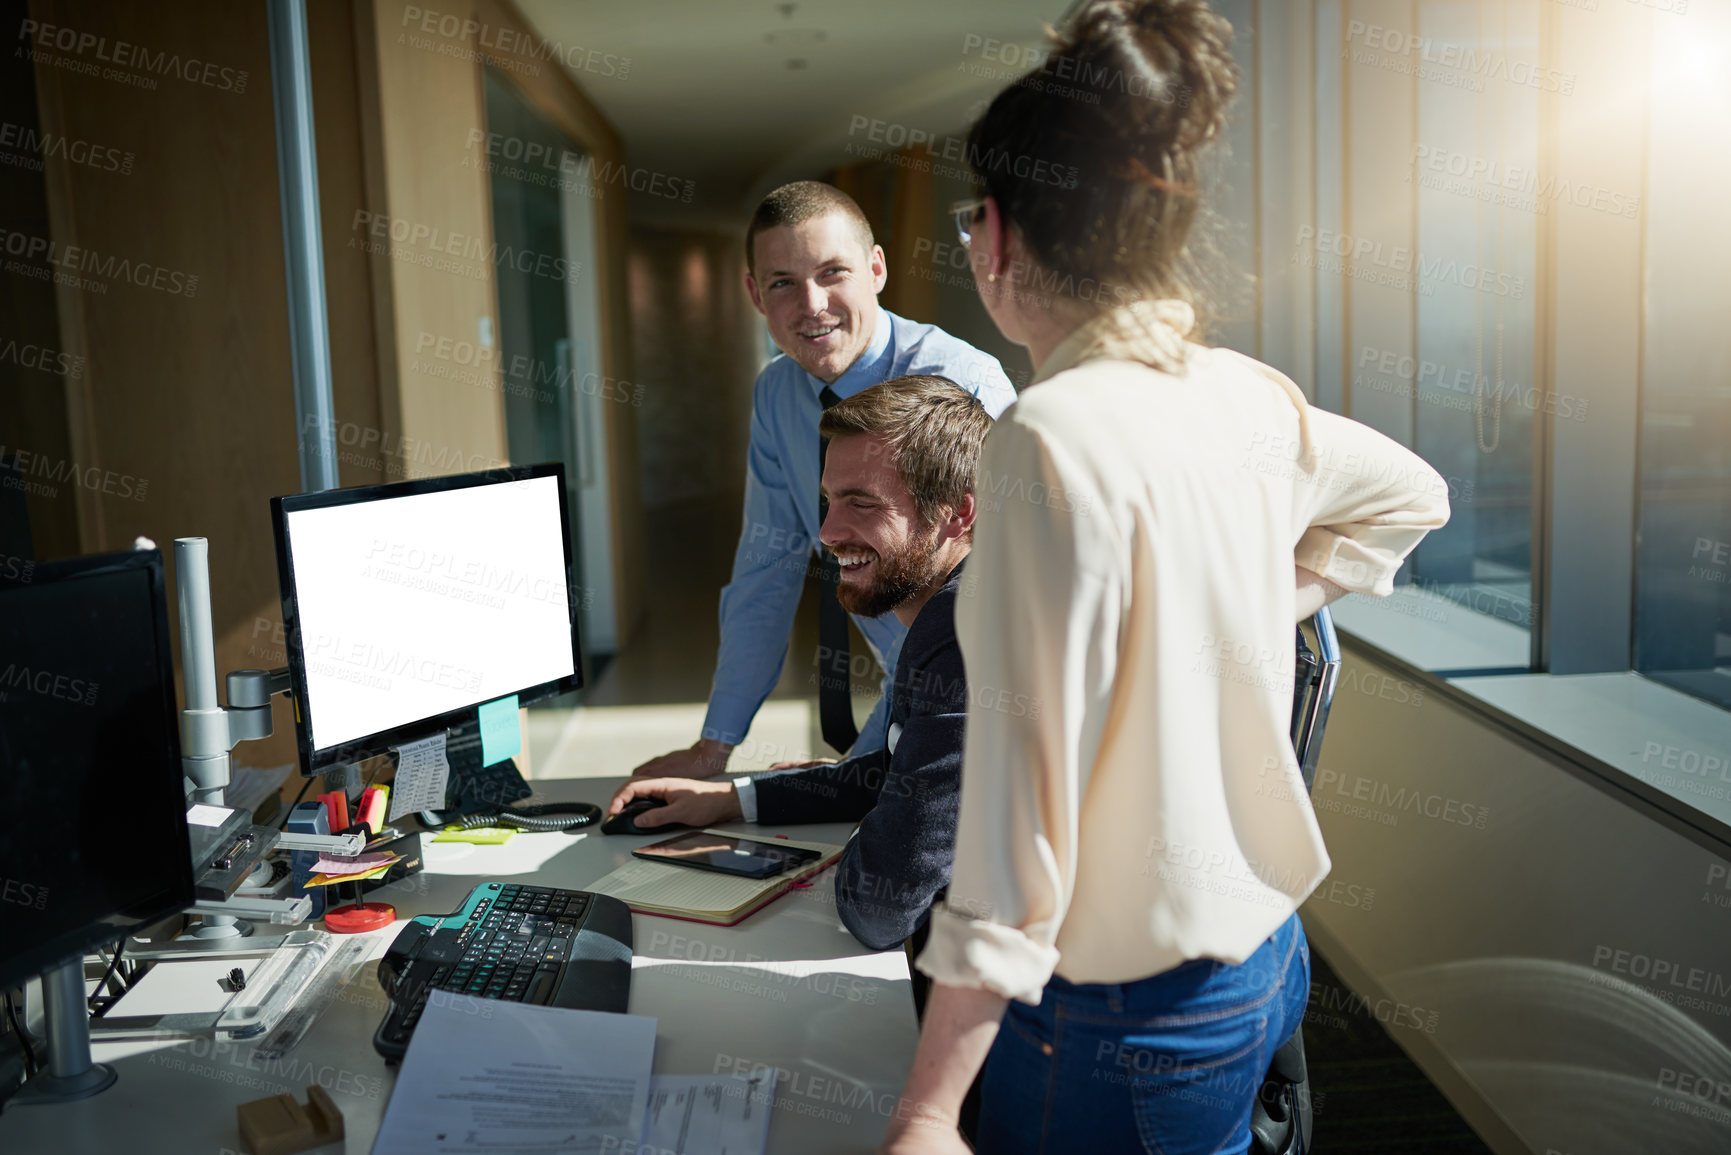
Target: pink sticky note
{"x": 337, "y": 864}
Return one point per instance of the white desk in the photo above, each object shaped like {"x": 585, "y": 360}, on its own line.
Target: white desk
{"x": 787, "y": 988}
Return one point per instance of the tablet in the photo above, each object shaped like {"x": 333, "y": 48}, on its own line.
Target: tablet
{"x": 726, "y": 854}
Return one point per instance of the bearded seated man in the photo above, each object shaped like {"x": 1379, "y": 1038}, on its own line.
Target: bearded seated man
{"x": 899, "y": 479}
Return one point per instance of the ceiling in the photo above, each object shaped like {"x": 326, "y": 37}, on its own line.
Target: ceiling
{"x": 737, "y": 97}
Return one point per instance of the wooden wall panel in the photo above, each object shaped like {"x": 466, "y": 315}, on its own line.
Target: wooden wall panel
{"x": 430, "y": 228}
{"x": 181, "y": 310}
{"x": 36, "y": 372}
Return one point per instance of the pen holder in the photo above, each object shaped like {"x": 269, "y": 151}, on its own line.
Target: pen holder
{"x": 410, "y": 862}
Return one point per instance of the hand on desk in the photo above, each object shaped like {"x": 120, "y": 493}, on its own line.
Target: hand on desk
{"x": 692, "y": 802}
{"x": 806, "y": 765}
{"x": 704, "y": 758}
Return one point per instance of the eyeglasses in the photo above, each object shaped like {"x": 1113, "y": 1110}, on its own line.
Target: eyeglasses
{"x": 967, "y": 212}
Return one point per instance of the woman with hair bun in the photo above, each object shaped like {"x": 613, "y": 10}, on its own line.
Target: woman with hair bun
{"x": 1119, "y": 945}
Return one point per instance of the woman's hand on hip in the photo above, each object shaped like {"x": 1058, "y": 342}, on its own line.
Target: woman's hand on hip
{"x": 925, "y": 1140}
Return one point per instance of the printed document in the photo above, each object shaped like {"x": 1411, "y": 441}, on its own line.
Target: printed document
{"x": 484, "y": 1075}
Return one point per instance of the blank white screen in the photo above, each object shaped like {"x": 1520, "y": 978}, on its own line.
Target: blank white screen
{"x": 413, "y": 606}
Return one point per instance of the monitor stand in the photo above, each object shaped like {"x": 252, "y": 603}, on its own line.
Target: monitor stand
{"x": 71, "y": 1073}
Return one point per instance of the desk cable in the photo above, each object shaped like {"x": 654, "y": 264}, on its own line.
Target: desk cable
{"x": 30, "y": 1064}
{"x": 553, "y": 816}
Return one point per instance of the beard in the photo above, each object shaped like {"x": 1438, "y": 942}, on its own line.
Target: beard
{"x": 901, "y": 574}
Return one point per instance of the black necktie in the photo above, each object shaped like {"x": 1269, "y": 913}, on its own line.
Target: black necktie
{"x": 834, "y": 690}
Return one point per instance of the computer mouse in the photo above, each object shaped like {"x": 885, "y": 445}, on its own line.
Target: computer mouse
{"x": 625, "y": 822}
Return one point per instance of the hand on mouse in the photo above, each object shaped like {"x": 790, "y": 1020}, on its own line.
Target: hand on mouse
{"x": 689, "y": 800}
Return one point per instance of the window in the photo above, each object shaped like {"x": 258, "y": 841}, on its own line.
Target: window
{"x": 1474, "y": 173}
{"x": 1401, "y": 197}
{"x": 1492, "y": 229}
{"x": 1683, "y": 559}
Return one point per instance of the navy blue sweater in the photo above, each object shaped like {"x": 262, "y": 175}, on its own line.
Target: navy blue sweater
{"x": 906, "y": 801}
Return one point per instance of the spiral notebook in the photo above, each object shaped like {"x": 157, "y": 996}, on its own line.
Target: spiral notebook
{"x": 705, "y": 895}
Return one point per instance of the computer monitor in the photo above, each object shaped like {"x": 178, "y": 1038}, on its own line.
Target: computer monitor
{"x": 93, "y": 836}
{"x": 407, "y": 606}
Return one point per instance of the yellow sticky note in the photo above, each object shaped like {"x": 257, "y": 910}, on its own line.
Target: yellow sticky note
{"x": 480, "y": 835}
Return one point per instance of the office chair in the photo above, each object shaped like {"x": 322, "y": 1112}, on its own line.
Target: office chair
{"x": 1280, "y": 1119}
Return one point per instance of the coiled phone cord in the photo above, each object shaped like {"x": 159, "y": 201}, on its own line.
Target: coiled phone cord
{"x": 553, "y": 816}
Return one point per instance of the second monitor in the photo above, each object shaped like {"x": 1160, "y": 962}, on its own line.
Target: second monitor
{"x": 407, "y": 606}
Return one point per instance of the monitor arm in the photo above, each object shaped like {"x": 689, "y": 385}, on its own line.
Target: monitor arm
{"x": 249, "y": 695}
{"x": 208, "y": 731}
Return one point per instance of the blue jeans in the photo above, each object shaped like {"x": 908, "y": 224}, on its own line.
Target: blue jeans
{"x": 1169, "y": 1064}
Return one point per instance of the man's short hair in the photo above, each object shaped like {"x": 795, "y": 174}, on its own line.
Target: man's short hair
{"x": 933, "y": 428}
{"x": 801, "y": 201}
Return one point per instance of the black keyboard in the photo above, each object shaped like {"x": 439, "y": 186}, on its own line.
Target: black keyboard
{"x": 529, "y": 944}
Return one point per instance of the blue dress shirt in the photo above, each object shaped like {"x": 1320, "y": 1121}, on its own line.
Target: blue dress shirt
{"x": 779, "y": 537}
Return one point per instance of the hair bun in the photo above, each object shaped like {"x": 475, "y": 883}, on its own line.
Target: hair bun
{"x": 1180, "y": 51}
{"x": 1116, "y": 117}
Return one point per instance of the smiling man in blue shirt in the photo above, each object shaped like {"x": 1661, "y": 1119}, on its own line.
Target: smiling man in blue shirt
{"x": 814, "y": 272}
